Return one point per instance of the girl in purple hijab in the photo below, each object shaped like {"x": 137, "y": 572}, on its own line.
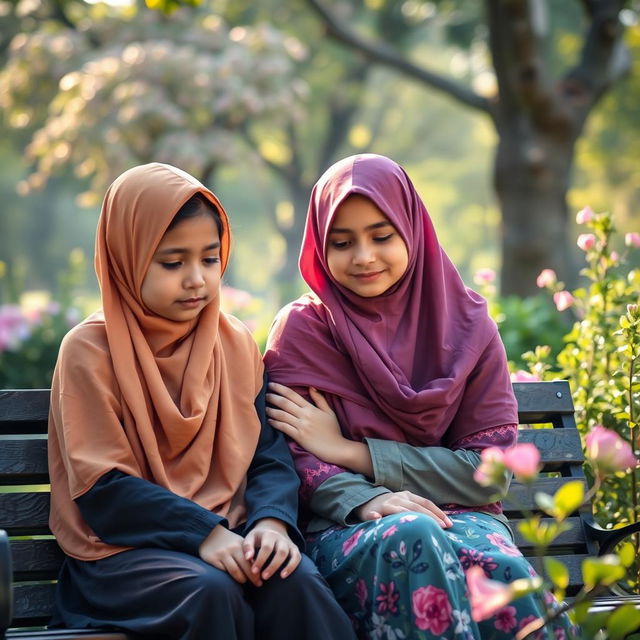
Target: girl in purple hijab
{"x": 390, "y": 379}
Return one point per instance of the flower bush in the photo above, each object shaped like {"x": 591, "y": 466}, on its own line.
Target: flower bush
{"x": 600, "y": 358}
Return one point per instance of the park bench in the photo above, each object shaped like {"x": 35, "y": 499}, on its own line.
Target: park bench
{"x": 27, "y": 590}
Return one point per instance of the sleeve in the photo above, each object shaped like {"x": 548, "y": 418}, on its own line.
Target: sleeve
{"x": 438, "y": 473}
{"x": 129, "y": 511}
{"x": 272, "y": 482}
{"x": 337, "y": 497}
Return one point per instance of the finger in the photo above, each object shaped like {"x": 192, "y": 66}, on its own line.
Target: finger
{"x": 319, "y": 400}
{"x": 280, "y": 554}
{"x": 245, "y": 566}
{"x": 410, "y": 505}
{"x": 292, "y": 563}
{"x": 287, "y": 429}
{"x": 249, "y": 546}
{"x": 290, "y": 394}
{"x": 283, "y": 415}
{"x": 434, "y": 508}
{"x": 233, "y": 569}
{"x": 266, "y": 549}
{"x": 371, "y": 515}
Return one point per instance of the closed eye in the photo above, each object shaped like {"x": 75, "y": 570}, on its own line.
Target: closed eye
{"x": 211, "y": 260}
{"x": 383, "y": 238}
{"x": 171, "y": 265}
{"x": 340, "y": 244}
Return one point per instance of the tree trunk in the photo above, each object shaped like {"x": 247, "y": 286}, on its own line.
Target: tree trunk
{"x": 531, "y": 175}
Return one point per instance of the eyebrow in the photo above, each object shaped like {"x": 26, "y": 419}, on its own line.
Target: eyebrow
{"x": 209, "y": 247}
{"x": 375, "y": 225}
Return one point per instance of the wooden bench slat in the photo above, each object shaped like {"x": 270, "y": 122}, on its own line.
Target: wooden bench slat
{"x": 557, "y": 446}
{"x": 23, "y": 461}
{"x": 543, "y": 401}
{"x": 66, "y": 634}
{"x": 23, "y": 514}
{"x": 24, "y": 405}
{"x": 574, "y": 566}
{"x": 521, "y": 496}
{"x": 36, "y": 559}
{"x": 572, "y": 538}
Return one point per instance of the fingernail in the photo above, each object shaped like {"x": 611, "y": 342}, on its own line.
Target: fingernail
{"x": 284, "y": 574}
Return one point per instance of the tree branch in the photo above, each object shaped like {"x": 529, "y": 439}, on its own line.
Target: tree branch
{"x": 382, "y": 54}
{"x": 604, "y": 58}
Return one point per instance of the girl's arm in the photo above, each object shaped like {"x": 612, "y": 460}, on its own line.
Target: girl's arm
{"x": 441, "y": 474}
{"x": 128, "y": 511}
{"x": 272, "y": 482}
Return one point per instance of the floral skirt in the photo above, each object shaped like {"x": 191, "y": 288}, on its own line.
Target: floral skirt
{"x": 403, "y": 577}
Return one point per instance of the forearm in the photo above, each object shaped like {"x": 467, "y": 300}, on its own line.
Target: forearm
{"x": 355, "y": 457}
{"x": 437, "y": 473}
{"x": 128, "y": 511}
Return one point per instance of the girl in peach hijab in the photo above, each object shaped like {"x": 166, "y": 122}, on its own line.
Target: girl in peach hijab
{"x": 173, "y": 500}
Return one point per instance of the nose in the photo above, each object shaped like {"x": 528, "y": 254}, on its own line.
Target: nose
{"x": 363, "y": 253}
{"x": 194, "y": 278}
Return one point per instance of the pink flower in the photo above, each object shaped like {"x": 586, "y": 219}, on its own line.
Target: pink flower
{"x": 563, "y": 300}
{"x": 387, "y": 598}
{"x": 349, "y": 544}
{"x": 361, "y": 592}
{"x": 503, "y": 544}
{"x": 432, "y": 609}
{"x": 485, "y": 596}
{"x": 523, "y": 460}
{"x": 390, "y": 531}
{"x": 615, "y": 257}
{"x": 506, "y": 619}
{"x": 586, "y": 241}
{"x": 632, "y": 239}
{"x": 491, "y": 468}
{"x": 585, "y": 215}
{"x": 484, "y": 276}
{"x": 547, "y": 278}
{"x": 524, "y": 376}
{"x": 608, "y": 451}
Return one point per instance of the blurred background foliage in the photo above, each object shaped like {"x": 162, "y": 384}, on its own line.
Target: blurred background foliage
{"x": 256, "y": 100}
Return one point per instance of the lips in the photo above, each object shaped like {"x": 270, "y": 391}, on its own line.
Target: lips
{"x": 191, "y": 302}
{"x": 368, "y": 275}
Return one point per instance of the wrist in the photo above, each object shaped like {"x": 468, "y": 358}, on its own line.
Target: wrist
{"x": 271, "y": 523}
{"x": 355, "y": 456}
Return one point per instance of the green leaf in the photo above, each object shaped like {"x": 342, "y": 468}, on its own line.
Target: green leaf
{"x": 545, "y": 502}
{"x": 622, "y": 621}
{"x": 605, "y": 570}
{"x": 557, "y": 572}
{"x": 627, "y": 554}
{"x": 568, "y": 498}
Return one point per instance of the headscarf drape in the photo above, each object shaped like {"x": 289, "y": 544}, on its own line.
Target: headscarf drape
{"x": 421, "y": 363}
{"x": 169, "y": 402}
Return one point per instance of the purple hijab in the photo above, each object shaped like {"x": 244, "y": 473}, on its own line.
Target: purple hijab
{"x": 422, "y": 363}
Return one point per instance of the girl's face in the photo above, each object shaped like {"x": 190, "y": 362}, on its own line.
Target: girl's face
{"x": 365, "y": 253}
{"x": 184, "y": 274}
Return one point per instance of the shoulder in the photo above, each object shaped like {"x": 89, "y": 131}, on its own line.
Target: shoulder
{"x": 87, "y": 339}
{"x": 298, "y": 317}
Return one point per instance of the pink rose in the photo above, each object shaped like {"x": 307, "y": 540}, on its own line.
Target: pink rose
{"x": 586, "y": 241}
{"x": 608, "y": 452}
{"x": 563, "y": 300}
{"x": 432, "y": 609}
{"x": 485, "y": 596}
{"x": 524, "y": 376}
{"x": 484, "y": 276}
{"x": 632, "y": 239}
{"x": 547, "y": 278}
{"x": 491, "y": 468}
{"x": 523, "y": 460}
{"x": 585, "y": 215}
{"x": 349, "y": 544}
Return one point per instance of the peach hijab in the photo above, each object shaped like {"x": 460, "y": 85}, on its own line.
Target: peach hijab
{"x": 169, "y": 402}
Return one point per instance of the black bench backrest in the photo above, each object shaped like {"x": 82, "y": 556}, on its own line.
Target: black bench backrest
{"x": 24, "y": 490}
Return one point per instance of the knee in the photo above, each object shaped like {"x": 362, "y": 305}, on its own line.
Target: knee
{"x": 209, "y": 584}
{"x": 409, "y": 527}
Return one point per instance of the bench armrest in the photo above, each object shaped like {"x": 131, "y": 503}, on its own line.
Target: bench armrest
{"x": 6, "y": 577}
{"x": 607, "y": 539}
